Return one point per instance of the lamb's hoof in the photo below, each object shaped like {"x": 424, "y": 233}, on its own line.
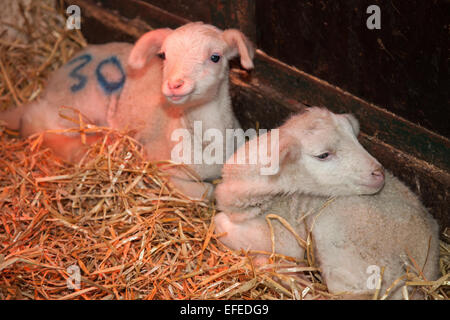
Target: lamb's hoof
{"x": 260, "y": 260}
{"x": 222, "y": 223}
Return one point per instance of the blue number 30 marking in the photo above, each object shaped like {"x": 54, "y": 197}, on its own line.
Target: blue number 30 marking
{"x": 86, "y": 58}
{"x": 108, "y": 87}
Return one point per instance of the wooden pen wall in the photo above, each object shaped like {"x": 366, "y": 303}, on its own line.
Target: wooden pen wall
{"x": 403, "y": 67}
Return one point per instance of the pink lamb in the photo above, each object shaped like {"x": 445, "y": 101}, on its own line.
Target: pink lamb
{"x": 166, "y": 81}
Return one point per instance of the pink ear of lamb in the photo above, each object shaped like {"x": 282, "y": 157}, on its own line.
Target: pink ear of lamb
{"x": 146, "y": 47}
{"x": 239, "y": 44}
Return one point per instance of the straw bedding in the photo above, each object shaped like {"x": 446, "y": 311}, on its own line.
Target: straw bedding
{"x": 113, "y": 217}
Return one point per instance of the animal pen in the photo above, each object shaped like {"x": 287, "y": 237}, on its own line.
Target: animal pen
{"x": 114, "y": 218}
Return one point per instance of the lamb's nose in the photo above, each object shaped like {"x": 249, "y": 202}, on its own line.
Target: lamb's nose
{"x": 378, "y": 173}
{"x": 176, "y": 84}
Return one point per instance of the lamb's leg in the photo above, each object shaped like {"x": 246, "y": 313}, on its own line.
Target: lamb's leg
{"x": 193, "y": 189}
{"x": 251, "y": 234}
{"x": 39, "y": 117}
{"x": 354, "y": 241}
{"x": 69, "y": 148}
{"x": 344, "y": 268}
{"x": 12, "y": 117}
{"x": 255, "y": 234}
{"x": 187, "y": 182}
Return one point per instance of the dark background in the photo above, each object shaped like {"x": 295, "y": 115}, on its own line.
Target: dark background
{"x": 403, "y": 67}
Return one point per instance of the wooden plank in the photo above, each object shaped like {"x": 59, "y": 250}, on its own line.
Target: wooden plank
{"x": 403, "y": 66}
{"x": 388, "y": 127}
{"x": 239, "y": 14}
{"x": 274, "y": 90}
{"x": 140, "y": 10}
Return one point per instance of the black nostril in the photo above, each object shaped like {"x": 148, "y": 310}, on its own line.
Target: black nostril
{"x": 178, "y": 83}
{"x": 378, "y": 173}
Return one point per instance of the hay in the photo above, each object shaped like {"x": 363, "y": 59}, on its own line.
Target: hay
{"x": 28, "y": 59}
{"x": 114, "y": 217}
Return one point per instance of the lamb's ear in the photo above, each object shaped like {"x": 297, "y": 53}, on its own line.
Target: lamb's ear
{"x": 353, "y": 121}
{"x": 239, "y": 44}
{"x": 288, "y": 150}
{"x": 147, "y": 47}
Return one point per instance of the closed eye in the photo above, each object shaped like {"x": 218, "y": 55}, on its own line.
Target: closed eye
{"x": 323, "y": 156}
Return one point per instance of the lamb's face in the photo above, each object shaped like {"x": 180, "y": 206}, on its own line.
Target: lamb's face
{"x": 195, "y": 64}
{"x": 195, "y": 59}
{"x": 335, "y": 160}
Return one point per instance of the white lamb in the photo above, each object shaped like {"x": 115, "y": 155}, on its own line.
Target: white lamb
{"x": 166, "y": 81}
{"x": 373, "y": 221}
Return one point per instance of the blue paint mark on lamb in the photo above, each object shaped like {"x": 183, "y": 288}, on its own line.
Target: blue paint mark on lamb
{"x": 82, "y": 79}
{"x": 108, "y": 86}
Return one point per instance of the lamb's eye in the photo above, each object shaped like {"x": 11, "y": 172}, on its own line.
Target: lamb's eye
{"x": 323, "y": 156}
{"x": 215, "y": 58}
{"x": 162, "y": 55}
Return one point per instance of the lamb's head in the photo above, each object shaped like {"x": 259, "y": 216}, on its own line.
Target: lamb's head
{"x": 195, "y": 59}
{"x": 325, "y": 149}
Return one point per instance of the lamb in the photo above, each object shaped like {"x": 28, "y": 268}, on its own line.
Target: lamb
{"x": 166, "y": 81}
{"x": 372, "y": 220}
